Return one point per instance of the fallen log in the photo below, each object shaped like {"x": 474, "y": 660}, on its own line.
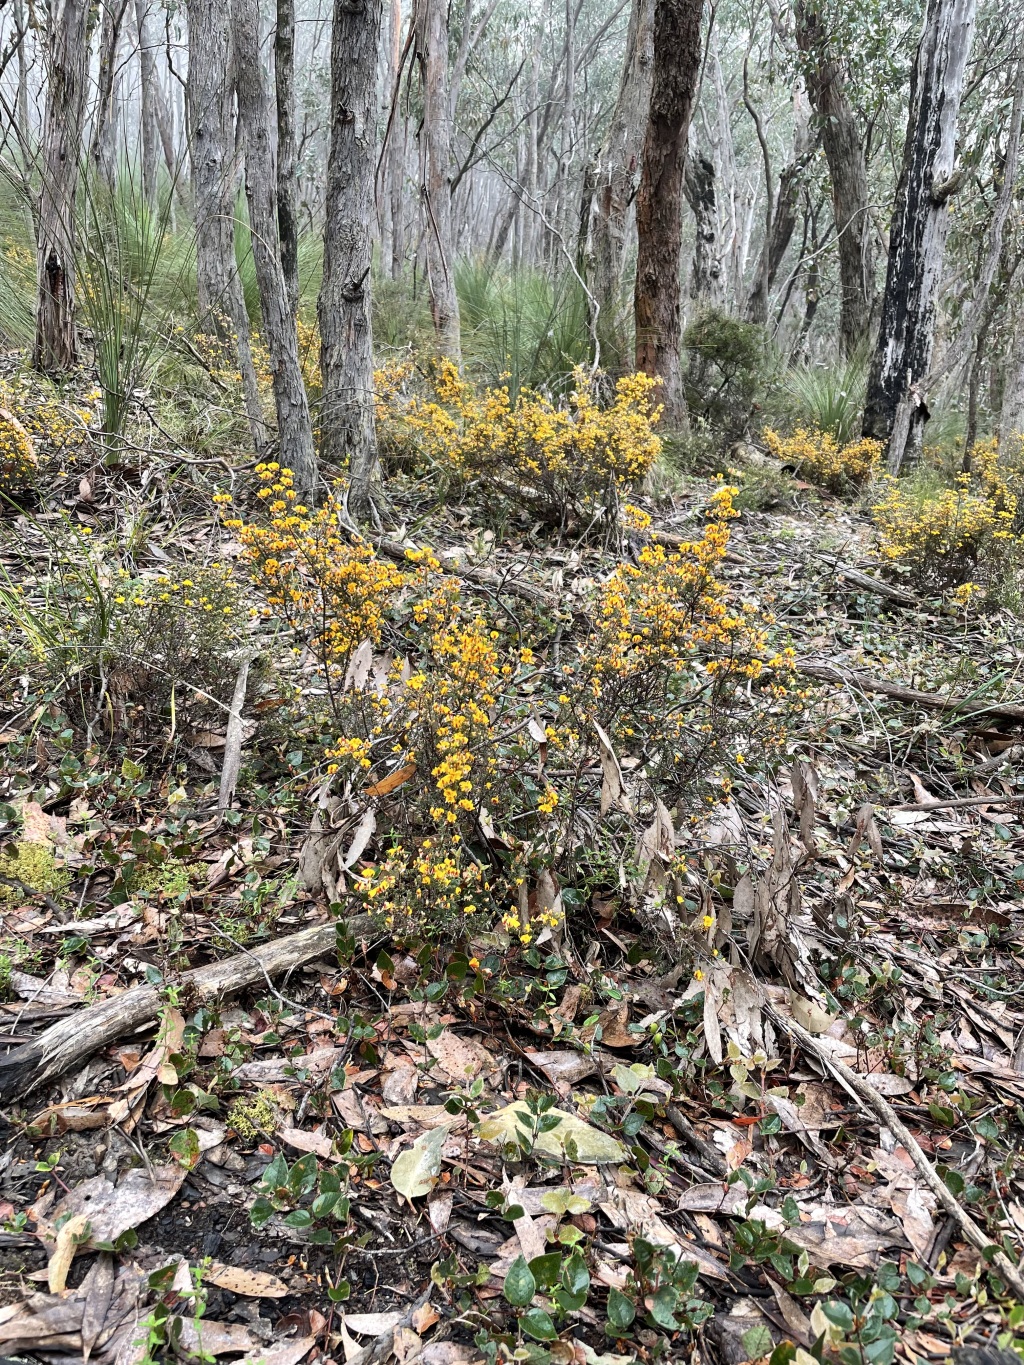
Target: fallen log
{"x": 73, "y": 1039}
{"x": 911, "y": 696}
{"x": 484, "y": 578}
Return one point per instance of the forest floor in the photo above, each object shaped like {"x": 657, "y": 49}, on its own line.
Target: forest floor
{"x": 849, "y": 1130}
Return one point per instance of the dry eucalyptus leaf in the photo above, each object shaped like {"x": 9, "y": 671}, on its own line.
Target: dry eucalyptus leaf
{"x": 253, "y": 1284}
{"x": 416, "y": 1170}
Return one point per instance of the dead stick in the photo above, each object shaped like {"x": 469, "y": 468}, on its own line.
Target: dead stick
{"x": 70, "y": 1041}
{"x": 911, "y": 695}
{"x": 887, "y": 1116}
{"x": 233, "y": 738}
{"x": 958, "y": 804}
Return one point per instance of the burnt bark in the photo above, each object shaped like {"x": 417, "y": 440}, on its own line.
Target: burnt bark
{"x": 431, "y": 31}
{"x": 66, "y": 61}
{"x": 209, "y": 106}
{"x": 618, "y": 177}
{"x": 255, "y": 118}
{"x": 781, "y": 211}
{"x": 659, "y": 205}
{"x": 704, "y": 288}
{"x": 346, "y": 336}
{"x": 287, "y": 160}
{"x": 843, "y": 143}
{"x": 896, "y": 410}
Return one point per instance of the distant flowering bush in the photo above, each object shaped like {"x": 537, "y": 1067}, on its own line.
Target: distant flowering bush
{"x": 817, "y": 454}
{"x": 17, "y": 454}
{"x": 967, "y": 534}
{"x": 562, "y": 458}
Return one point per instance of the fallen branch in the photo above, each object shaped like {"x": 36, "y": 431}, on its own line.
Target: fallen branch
{"x": 887, "y": 1116}
{"x": 67, "y": 1043}
{"x": 912, "y": 696}
{"x": 959, "y": 803}
{"x": 876, "y": 585}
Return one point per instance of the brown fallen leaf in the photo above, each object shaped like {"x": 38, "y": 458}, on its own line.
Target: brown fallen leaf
{"x": 253, "y": 1284}
{"x": 70, "y": 1236}
{"x": 372, "y": 1324}
{"x": 112, "y": 1209}
{"x": 318, "y": 1143}
{"x": 393, "y": 780}
{"x": 461, "y": 1059}
{"x": 563, "y": 1069}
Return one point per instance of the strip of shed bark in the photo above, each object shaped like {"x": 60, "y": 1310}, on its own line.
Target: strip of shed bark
{"x": 912, "y": 696}
{"x": 71, "y": 1041}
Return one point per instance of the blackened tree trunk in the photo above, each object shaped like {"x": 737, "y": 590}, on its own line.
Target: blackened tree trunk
{"x": 209, "y": 104}
{"x": 704, "y": 287}
{"x": 66, "y": 61}
{"x": 618, "y": 176}
{"x": 287, "y": 161}
{"x": 346, "y": 337}
{"x": 255, "y": 125}
{"x": 659, "y": 205}
{"x": 843, "y": 143}
{"x": 431, "y": 19}
{"x": 896, "y": 410}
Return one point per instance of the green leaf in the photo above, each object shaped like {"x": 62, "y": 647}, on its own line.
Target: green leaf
{"x": 576, "y": 1276}
{"x": 620, "y": 1309}
{"x": 299, "y": 1218}
{"x": 839, "y": 1314}
{"x": 302, "y": 1176}
{"x": 340, "y": 1292}
{"x": 520, "y": 1286}
{"x": 757, "y": 1341}
{"x": 261, "y": 1211}
{"x": 276, "y": 1174}
{"x": 663, "y": 1307}
{"x": 545, "y": 1269}
{"x": 415, "y": 1171}
{"x": 537, "y": 1324}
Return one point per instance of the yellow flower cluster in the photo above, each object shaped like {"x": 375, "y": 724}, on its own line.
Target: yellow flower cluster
{"x": 17, "y": 454}
{"x": 333, "y": 592}
{"x": 821, "y": 458}
{"x": 957, "y": 534}
{"x": 560, "y": 456}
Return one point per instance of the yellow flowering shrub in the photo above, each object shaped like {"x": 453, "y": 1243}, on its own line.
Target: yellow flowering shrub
{"x": 819, "y": 456}
{"x": 968, "y": 533}
{"x": 474, "y": 749}
{"x": 563, "y": 458}
{"x": 123, "y": 644}
{"x": 17, "y": 454}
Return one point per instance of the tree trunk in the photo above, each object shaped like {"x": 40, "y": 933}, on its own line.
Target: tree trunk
{"x": 782, "y": 214}
{"x": 284, "y": 82}
{"x": 25, "y": 130}
{"x": 896, "y": 411}
{"x": 346, "y": 337}
{"x": 1011, "y": 412}
{"x": 209, "y": 109}
{"x": 148, "y": 115}
{"x": 659, "y": 205}
{"x": 67, "y": 54}
{"x": 103, "y": 152}
{"x": 255, "y": 116}
{"x": 618, "y": 177}
{"x": 397, "y": 143}
{"x": 848, "y": 173}
{"x": 432, "y": 55}
{"x": 699, "y": 187}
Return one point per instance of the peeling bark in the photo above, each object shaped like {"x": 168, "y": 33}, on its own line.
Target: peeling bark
{"x": 704, "y": 287}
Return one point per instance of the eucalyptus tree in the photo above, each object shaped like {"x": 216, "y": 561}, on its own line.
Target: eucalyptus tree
{"x": 346, "y": 334}
{"x": 256, "y": 133}
{"x": 209, "y": 104}
{"x": 66, "y": 57}
{"x": 659, "y": 207}
{"x": 896, "y": 408}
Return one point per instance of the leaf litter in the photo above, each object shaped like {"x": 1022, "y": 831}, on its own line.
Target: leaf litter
{"x": 855, "y": 947}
